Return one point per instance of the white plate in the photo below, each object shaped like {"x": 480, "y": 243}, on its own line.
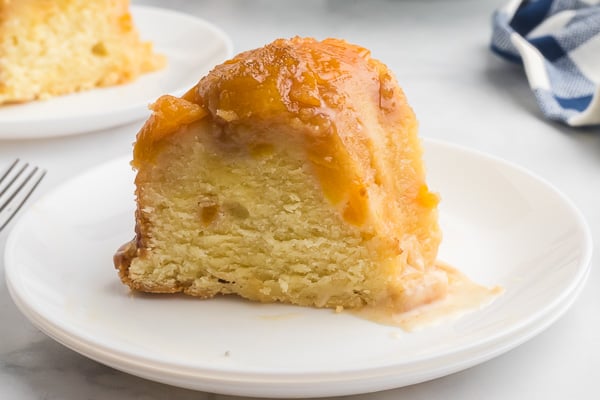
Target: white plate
{"x": 192, "y": 46}
{"x": 502, "y": 226}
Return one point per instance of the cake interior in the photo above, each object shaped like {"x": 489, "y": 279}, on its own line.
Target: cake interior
{"x": 254, "y": 222}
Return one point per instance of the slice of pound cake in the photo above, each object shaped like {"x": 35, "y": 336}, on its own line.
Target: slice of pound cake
{"x": 290, "y": 173}
{"x": 49, "y": 48}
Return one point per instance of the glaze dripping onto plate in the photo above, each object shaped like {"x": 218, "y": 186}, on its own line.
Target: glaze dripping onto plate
{"x": 462, "y": 296}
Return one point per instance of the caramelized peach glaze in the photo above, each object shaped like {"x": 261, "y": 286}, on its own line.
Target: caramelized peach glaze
{"x": 330, "y": 91}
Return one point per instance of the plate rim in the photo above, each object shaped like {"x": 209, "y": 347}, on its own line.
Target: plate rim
{"x": 568, "y": 294}
{"x": 285, "y": 388}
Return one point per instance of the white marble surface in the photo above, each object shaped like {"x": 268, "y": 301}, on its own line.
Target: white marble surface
{"x": 461, "y": 93}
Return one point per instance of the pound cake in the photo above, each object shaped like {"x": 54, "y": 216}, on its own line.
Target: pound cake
{"x": 50, "y": 48}
{"x": 291, "y": 173}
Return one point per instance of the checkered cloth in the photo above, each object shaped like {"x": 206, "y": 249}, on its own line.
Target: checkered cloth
{"x": 558, "y": 43}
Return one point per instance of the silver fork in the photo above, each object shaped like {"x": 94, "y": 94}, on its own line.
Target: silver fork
{"x": 16, "y": 185}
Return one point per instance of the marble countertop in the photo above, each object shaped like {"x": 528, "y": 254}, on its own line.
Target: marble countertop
{"x": 462, "y": 94}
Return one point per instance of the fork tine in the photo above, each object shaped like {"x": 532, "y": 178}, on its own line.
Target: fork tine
{"x": 13, "y": 165}
{"x": 11, "y": 205}
{"x": 14, "y": 178}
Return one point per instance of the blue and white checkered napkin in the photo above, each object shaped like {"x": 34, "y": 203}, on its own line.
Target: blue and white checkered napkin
{"x": 558, "y": 43}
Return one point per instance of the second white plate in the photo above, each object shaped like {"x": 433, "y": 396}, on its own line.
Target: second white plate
{"x": 192, "y": 46}
{"x": 501, "y": 226}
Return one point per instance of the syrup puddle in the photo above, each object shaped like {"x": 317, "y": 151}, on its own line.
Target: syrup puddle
{"x": 463, "y": 296}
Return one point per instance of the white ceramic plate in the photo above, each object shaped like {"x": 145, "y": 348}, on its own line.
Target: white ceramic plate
{"x": 502, "y": 226}
{"x": 192, "y": 46}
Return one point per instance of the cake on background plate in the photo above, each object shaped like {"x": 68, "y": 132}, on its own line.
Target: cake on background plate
{"x": 291, "y": 173}
{"x": 55, "y": 47}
